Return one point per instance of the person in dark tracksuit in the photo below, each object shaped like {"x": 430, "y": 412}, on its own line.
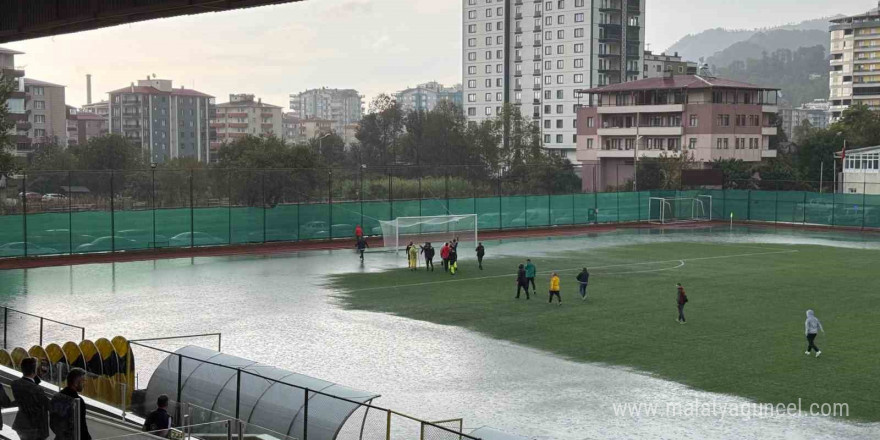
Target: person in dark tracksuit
{"x": 361, "y": 246}
{"x": 811, "y": 329}
{"x": 158, "y": 422}
{"x": 453, "y": 260}
{"x": 583, "y": 279}
{"x": 32, "y": 420}
{"x": 522, "y": 283}
{"x": 481, "y": 252}
{"x": 428, "y": 250}
{"x": 682, "y": 300}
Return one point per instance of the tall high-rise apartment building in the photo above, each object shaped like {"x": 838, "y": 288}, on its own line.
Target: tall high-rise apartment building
{"x": 536, "y": 54}
{"x": 342, "y": 106}
{"x": 18, "y": 114}
{"x": 425, "y": 96}
{"x": 855, "y": 62}
{"x": 165, "y": 122}
{"x": 48, "y": 113}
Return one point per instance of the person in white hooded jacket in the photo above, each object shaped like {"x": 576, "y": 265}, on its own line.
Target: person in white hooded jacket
{"x": 811, "y": 329}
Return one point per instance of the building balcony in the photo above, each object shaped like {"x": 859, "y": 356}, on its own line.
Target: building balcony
{"x": 768, "y": 153}
{"x": 769, "y": 131}
{"x": 517, "y": 74}
{"x": 770, "y": 108}
{"x": 518, "y": 3}
{"x": 609, "y": 55}
{"x": 266, "y": 115}
{"x": 236, "y": 135}
{"x": 633, "y": 8}
{"x": 629, "y": 153}
{"x": 633, "y": 109}
{"x": 536, "y": 102}
{"x": 131, "y": 126}
{"x": 641, "y": 131}
{"x": 12, "y": 73}
{"x": 536, "y": 116}
{"x": 238, "y": 125}
{"x": 266, "y": 126}
{"x": 537, "y": 43}
{"x": 537, "y": 14}
{"x": 536, "y": 87}
{"x": 537, "y": 72}
{"x": 23, "y": 126}
{"x": 537, "y": 29}
{"x": 217, "y": 125}
{"x": 237, "y": 115}
{"x": 609, "y": 38}
{"x": 19, "y": 117}
{"x": 518, "y": 59}
{"x": 610, "y": 7}
{"x": 518, "y": 45}
{"x": 517, "y": 88}
{"x": 537, "y": 58}
{"x": 216, "y": 145}
{"x": 518, "y": 17}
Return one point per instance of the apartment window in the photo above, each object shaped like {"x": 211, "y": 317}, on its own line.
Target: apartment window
{"x": 488, "y": 82}
{"x": 546, "y": 138}
{"x": 548, "y": 110}
{"x": 472, "y": 42}
{"x": 547, "y": 123}
{"x": 579, "y": 33}
{"x": 579, "y": 48}
{"x": 499, "y": 26}
{"x": 498, "y": 82}
{"x": 590, "y": 143}
{"x": 548, "y": 50}
{"x": 560, "y": 79}
{"x": 726, "y": 143}
{"x": 694, "y": 122}
{"x": 548, "y": 35}
{"x": 37, "y": 91}
{"x": 499, "y": 54}
{"x": 723, "y": 120}
{"x": 547, "y": 94}
{"x": 472, "y": 97}
{"x": 578, "y": 78}
{"x": 559, "y": 109}
{"x": 472, "y": 14}
{"x": 537, "y": 96}
{"x": 548, "y": 6}
{"x": 488, "y": 41}
{"x": 488, "y": 111}
{"x": 579, "y": 17}
{"x": 489, "y": 27}
{"x": 472, "y": 29}
{"x": 559, "y": 139}
{"x": 472, "y": 56}
{"x": 548, "y": 65}
{"x": 692, "y": 143}
{"x": 489, "y": 97}
{"x": 489, "y": 13}
{"x": 472, "y": 2}
{"x": 39, "y": 119}
{"x": 499, "y": 39}
{"x": 472, "y": 70}
{"x": 560, "y": 64}
{"x": 590, "y": 122}
{"x": 499, "y": 12}
{"x": 472, "y": 111}
{"x": 488, "y": 55}
{"x": 574, "y": 123}
{"x": 559, "y": 94}
{"x": 548, "y": 80}
{"x": 560, "y": 49}
{"x": 472, "y": 83}
{"x": 559, "y": 123}
{"x": 560, "y": 19}
{"x": 548, "y": 20}
{"x": 579, "y": 63}
{"x": 560, "y": 34}
{"x": 498, "y": 96}
{"x": 39, "y": 105}
{"x": 488, "y": 68}
{"x": 39, "y": 132}
{"x": 499, "y": 68}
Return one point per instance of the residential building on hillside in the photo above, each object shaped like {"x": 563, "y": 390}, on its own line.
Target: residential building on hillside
{"x": 342, "y": 106}
{"x": 48, "y": 113}
{"x": 16, "y": 103}
{"x": 861, "y": 173}
{"x": 425, "y": 96}
{"x": 855, "y": 62}
{"x": 291, "y": 128}
{"x": 656, "y": 64}
{"x": 535, "y": 54}
{"x": 312, "y": 128}
{"x": 243, "y": 116}
{"x": 709, "y": 118}
{"x": 165, "y": 122}
{"x": 815, "y": 112}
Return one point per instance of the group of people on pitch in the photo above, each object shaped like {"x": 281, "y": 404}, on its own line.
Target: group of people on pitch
{"x": 525, "y": 277}
{"x": 448, "y": 256}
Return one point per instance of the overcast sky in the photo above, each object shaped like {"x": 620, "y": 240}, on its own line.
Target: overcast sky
{"x": 373, "y": 46}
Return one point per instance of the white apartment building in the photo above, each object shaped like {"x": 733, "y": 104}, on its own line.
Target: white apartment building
{"x": 855, "y": 62}
{"x": 537, "y": 53}
{"x": 342, "y": 106}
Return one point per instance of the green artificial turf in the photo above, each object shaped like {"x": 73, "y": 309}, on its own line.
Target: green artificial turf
{"x": 745, "y": 329}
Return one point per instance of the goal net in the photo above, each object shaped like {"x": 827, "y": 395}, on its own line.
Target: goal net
{"x": 680, "y": 209}
{"x": 436, "y": 229}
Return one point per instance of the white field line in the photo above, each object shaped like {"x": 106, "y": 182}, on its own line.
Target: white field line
{"x": 679, "y": 266}
{"x": 681, "y": 260}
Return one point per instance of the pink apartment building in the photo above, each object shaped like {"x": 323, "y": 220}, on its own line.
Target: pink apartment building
{"x": 709, "y": 118}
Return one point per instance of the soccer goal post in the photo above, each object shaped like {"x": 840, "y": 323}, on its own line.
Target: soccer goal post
{"x": 435, "y": 229}
{"x": 663, "y": 210}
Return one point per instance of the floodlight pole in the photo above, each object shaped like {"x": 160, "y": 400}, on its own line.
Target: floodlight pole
{"x": 821, "y": 175}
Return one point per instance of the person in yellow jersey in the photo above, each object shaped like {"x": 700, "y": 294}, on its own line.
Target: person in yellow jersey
{"x": 554, "y": 288}
{"x": 413, "y": 254}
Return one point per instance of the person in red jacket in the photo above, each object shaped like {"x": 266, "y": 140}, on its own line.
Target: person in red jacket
{"x": 444, "y": 255}
{"x": 358, "y": 231}
{"x": 682, "y": 300}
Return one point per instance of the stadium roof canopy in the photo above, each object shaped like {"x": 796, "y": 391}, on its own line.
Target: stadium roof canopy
{"x": 268, "y": 398}
{"x": 26, "y": 19}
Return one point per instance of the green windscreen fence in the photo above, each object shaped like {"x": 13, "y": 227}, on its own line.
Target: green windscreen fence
{"x": 106, "y": 212}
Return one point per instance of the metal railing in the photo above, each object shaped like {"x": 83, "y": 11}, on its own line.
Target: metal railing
{"x": 19, "y": 333}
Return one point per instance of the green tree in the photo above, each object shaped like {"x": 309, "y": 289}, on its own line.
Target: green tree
{"x": 51, "y": 156}
{"x": 737, "y": 173}
{"x": 109, "y": 152}
{"x": 8, "y": 164}
{"x": 379, "y": 131}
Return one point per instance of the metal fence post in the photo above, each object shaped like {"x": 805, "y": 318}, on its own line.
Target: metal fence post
{"x": 864, "y": 189}
{"x": 69, "y": 214}
{"x": 24, "y": 213}
{"x": 306, "y": 415}
{"x": 179, "y": 384}
{"x": 388, "y": 425}
{"x": 237, "y": 391}
{"x": 263, "y": 196}
{"x": 330, "y": 201}
{"x": 5, "y": 324}
{"x": 112, "y": 216}
{"x": 228, "y": 430}
{"x": 192, "y": 219}
{"x": 41, "y": 331}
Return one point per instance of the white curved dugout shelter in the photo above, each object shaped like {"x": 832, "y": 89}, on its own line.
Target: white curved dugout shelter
{"x": 270, "y": 398}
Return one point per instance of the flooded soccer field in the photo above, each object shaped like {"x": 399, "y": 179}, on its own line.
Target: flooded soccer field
{"x": 296, "y": 311}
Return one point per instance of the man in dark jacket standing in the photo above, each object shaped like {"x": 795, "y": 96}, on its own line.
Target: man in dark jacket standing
{"x": 481, "y": 252}
{"x": 428, "y": 250}
{"x": 583, "y": 279}
{"x": 159, "y": 420}
{"x": 62, "y": 408}
{"x": 682, "y": 300}
{"x": 521, "y": 281}
{"x": 32, "y": 421}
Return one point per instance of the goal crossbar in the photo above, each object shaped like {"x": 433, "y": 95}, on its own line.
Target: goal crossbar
{"x": 420, "y": 229}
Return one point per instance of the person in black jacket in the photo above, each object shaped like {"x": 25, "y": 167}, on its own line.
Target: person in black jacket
{"x": 32, "y": 421}
{"x": 481, "y": 252}
{"x": 521, "y": 281}
{"x": 159, "y": 420}
{"x": 428, "y": 250}
{"x": 62, "y": 408}
{"x": 583, "y": 279}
